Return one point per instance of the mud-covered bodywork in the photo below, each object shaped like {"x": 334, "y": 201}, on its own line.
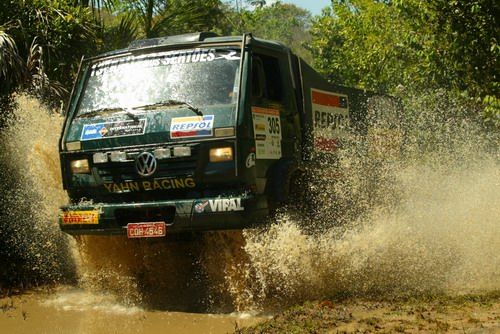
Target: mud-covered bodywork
{"x": 172, "y": 105}
{"x": 197, "y": 132}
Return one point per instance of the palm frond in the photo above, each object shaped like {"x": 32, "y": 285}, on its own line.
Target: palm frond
{"x": 121, "y": 35}
{"x": 179, "y": 18}
{"x": 37, "y": 81}
{"x": 12, "y": 70}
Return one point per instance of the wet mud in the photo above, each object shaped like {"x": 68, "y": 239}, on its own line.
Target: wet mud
{"x": 420, "y": 224}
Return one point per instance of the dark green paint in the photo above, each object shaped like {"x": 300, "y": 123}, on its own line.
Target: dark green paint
{"x": 259, "y": 186}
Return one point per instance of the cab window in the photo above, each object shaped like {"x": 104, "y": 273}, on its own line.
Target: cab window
{"x": 266, "y": 78}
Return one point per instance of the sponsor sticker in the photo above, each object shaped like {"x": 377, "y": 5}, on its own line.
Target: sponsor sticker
{"x": 157, "y": 184}
{"x": 88, "y": 217}
{"x": 330, "y": 119}
{"x": 194, "y": 126}
{"x": 218, "y": 205}
{"x": 113, "y": 129}
{"x": 164, "y": 58}
{"x": 200, "y": 206}
{"x": 250, "y": 161}
{"x": 267, "y": 132}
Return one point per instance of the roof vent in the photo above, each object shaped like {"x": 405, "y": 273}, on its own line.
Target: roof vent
{"x": 169, "y": 40}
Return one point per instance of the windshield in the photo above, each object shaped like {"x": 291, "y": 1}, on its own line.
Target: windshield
{"x": 192, "y": 78}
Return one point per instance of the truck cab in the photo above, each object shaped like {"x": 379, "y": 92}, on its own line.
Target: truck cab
{"x": 193, "y": 132}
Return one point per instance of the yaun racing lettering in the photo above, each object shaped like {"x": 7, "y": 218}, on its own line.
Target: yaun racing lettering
{"x": 161, "y": 184}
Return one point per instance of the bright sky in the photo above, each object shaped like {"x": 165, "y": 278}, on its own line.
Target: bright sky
{"x": 314, "y": 6}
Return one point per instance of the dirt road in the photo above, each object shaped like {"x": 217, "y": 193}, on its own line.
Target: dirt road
{"x": 72, "y": 310}
{"x": 466, "y": 314}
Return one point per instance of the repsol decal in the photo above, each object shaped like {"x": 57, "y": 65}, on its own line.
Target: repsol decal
{"x": 219, "y": 205}
{"x": 329, "y": 120}
{"x": 158, "y": 184}
{"x": 194, "y": 126}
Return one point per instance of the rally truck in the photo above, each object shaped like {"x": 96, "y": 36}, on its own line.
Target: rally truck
{"x": 195, "y": 132}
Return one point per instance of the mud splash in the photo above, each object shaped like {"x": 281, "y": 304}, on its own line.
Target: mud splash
{"x": 423, "y": 221}
{"x": 444, "y": 239}
{"x": 32, "y": 249}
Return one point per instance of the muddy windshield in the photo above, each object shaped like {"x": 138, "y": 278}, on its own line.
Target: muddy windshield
{"x": 195, "y": 78}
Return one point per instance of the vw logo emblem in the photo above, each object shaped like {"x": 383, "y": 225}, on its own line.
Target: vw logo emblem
{"x": 145, "y": 164}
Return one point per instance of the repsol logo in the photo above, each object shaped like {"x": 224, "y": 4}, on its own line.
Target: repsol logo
{"x": 192, "y": 126}
{"x": 161, "y": 184}
{"x": 324, "y": 119}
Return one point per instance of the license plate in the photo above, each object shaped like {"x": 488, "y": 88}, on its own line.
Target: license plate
{"x": 146, "y": 230}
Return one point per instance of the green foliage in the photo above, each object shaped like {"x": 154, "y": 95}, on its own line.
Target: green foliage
{"x": 11, "y": 64}
{"x": 281, "y": 22}
{"x": 156, "y": 18}
{"x": 42, "y": 41}
{"x": 380, "y": 45}
{"x": 48, "y": 37}
{"x": 492, "y": 110}
{"x": 465, "y": 47}
{"x": 357, "y": 44}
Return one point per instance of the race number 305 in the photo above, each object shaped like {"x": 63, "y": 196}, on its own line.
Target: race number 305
{"x": 267, "y": 132}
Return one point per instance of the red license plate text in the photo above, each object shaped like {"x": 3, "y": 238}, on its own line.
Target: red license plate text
{"x": 146, "y": 230}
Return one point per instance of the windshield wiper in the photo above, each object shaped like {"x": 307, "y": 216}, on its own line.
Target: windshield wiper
{"x": 132, "y": 116}
{"x": 106, "y": 111}
{"x": 171, "y": 103}
{"x": 100, "y": 111}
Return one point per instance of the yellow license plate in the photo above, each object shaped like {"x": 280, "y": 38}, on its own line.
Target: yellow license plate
{"x": 80, "y": 217}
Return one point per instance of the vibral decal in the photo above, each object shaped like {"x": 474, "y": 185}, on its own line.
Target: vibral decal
{"x": 219, "y": 205}
{"x": 158, "y": 184}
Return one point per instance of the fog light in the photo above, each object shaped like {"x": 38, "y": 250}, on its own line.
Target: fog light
{"x": 80, "y": 166}
{"x": 182, "y": 151}
{"x": 100, "y": 158}
{"x": 221, "y": 154}
{"x": 224, "y": 132}
{"x": 73, "y": 146}
{"x": 162, "y": 153}
{"x": 118, "y": 156}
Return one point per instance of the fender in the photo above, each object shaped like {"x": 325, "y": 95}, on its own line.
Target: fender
{"x": 278, "y": 179}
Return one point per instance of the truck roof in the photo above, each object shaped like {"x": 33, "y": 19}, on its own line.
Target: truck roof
{"x": 192, "y": 39}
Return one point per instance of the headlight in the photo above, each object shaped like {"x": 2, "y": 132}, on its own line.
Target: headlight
{"x": 182, "y": 151}
{"x": 162, "y": 153}
{"x": 118, "y": 156}
{"x": 80, "y": 166}
{"x": 100, "y": 158}
{"x": 221, "y": 154}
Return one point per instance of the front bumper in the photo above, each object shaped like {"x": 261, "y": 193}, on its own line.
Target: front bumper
{"x": 190, "y": 215}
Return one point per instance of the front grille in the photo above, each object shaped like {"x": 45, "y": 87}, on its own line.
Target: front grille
{"x": 125, "y": 171}
{"x": 139, "y": 215}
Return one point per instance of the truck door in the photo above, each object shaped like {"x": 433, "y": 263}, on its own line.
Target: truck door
{"x": 275, "y": 120}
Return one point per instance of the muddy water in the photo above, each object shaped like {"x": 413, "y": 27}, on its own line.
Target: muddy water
{"x": 422, "y": 223}
{"x": 116, "y": 285}
{"x": 72, "y": 310}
